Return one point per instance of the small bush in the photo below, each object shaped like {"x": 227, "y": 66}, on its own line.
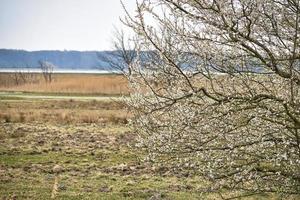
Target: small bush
{"x": 89, "y": 119}
{"x": 117, "y": 120}
{"x": 7, "y": 118}
{"x": 22, "y": 117}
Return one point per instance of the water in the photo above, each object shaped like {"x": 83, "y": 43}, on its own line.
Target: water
{"x": 57, "y": 71}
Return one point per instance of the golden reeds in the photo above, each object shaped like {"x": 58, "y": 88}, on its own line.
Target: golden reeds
{"x": 69, "y": 83}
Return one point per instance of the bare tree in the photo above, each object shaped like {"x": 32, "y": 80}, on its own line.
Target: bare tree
{"x": 47, "y": 70}
{"x": 21, "y": 77}
{"x": 220, "y": 98}
{"x": 123, "y": 54}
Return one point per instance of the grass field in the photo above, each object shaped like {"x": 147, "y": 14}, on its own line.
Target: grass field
{"x": 90, "y": 141}
{"x": 80, "y": 148}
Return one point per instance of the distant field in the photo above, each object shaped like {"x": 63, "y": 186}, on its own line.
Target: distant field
{"x": 100, "y": 84}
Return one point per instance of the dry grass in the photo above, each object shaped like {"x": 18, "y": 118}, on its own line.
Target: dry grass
{"x": 56, "y": 150}
{"x": 68, "y": 83}
{"x": 63, "y": 112}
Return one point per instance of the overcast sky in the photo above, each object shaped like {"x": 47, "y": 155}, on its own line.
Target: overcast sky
{"x": 59, "y": 24}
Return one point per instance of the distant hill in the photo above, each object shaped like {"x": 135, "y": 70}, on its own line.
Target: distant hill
{"x": 89, "y": 60}
{"x": 83, "y": 60}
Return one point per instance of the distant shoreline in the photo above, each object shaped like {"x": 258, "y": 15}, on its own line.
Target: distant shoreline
{"x": 57, "y": 71}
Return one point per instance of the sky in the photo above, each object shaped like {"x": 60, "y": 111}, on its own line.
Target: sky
{"x": 60, "y": 24}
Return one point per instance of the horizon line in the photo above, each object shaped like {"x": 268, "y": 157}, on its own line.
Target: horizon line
{"x": 86, "y": 50}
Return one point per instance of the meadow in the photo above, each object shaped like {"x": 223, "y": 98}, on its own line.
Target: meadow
{"x": 87, "y": 84}
{"x": 80, "y": 149}
{"x": 91, "y": 145}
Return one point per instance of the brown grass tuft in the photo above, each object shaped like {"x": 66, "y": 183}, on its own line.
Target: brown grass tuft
{"x": 89, "y": 119}
{"x": 117, "y": 120}
{"x": 22, "y": 117}
{"x": 63, "y": 112}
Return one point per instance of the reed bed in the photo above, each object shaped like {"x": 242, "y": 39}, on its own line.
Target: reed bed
{"x": 109, "y": 84}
